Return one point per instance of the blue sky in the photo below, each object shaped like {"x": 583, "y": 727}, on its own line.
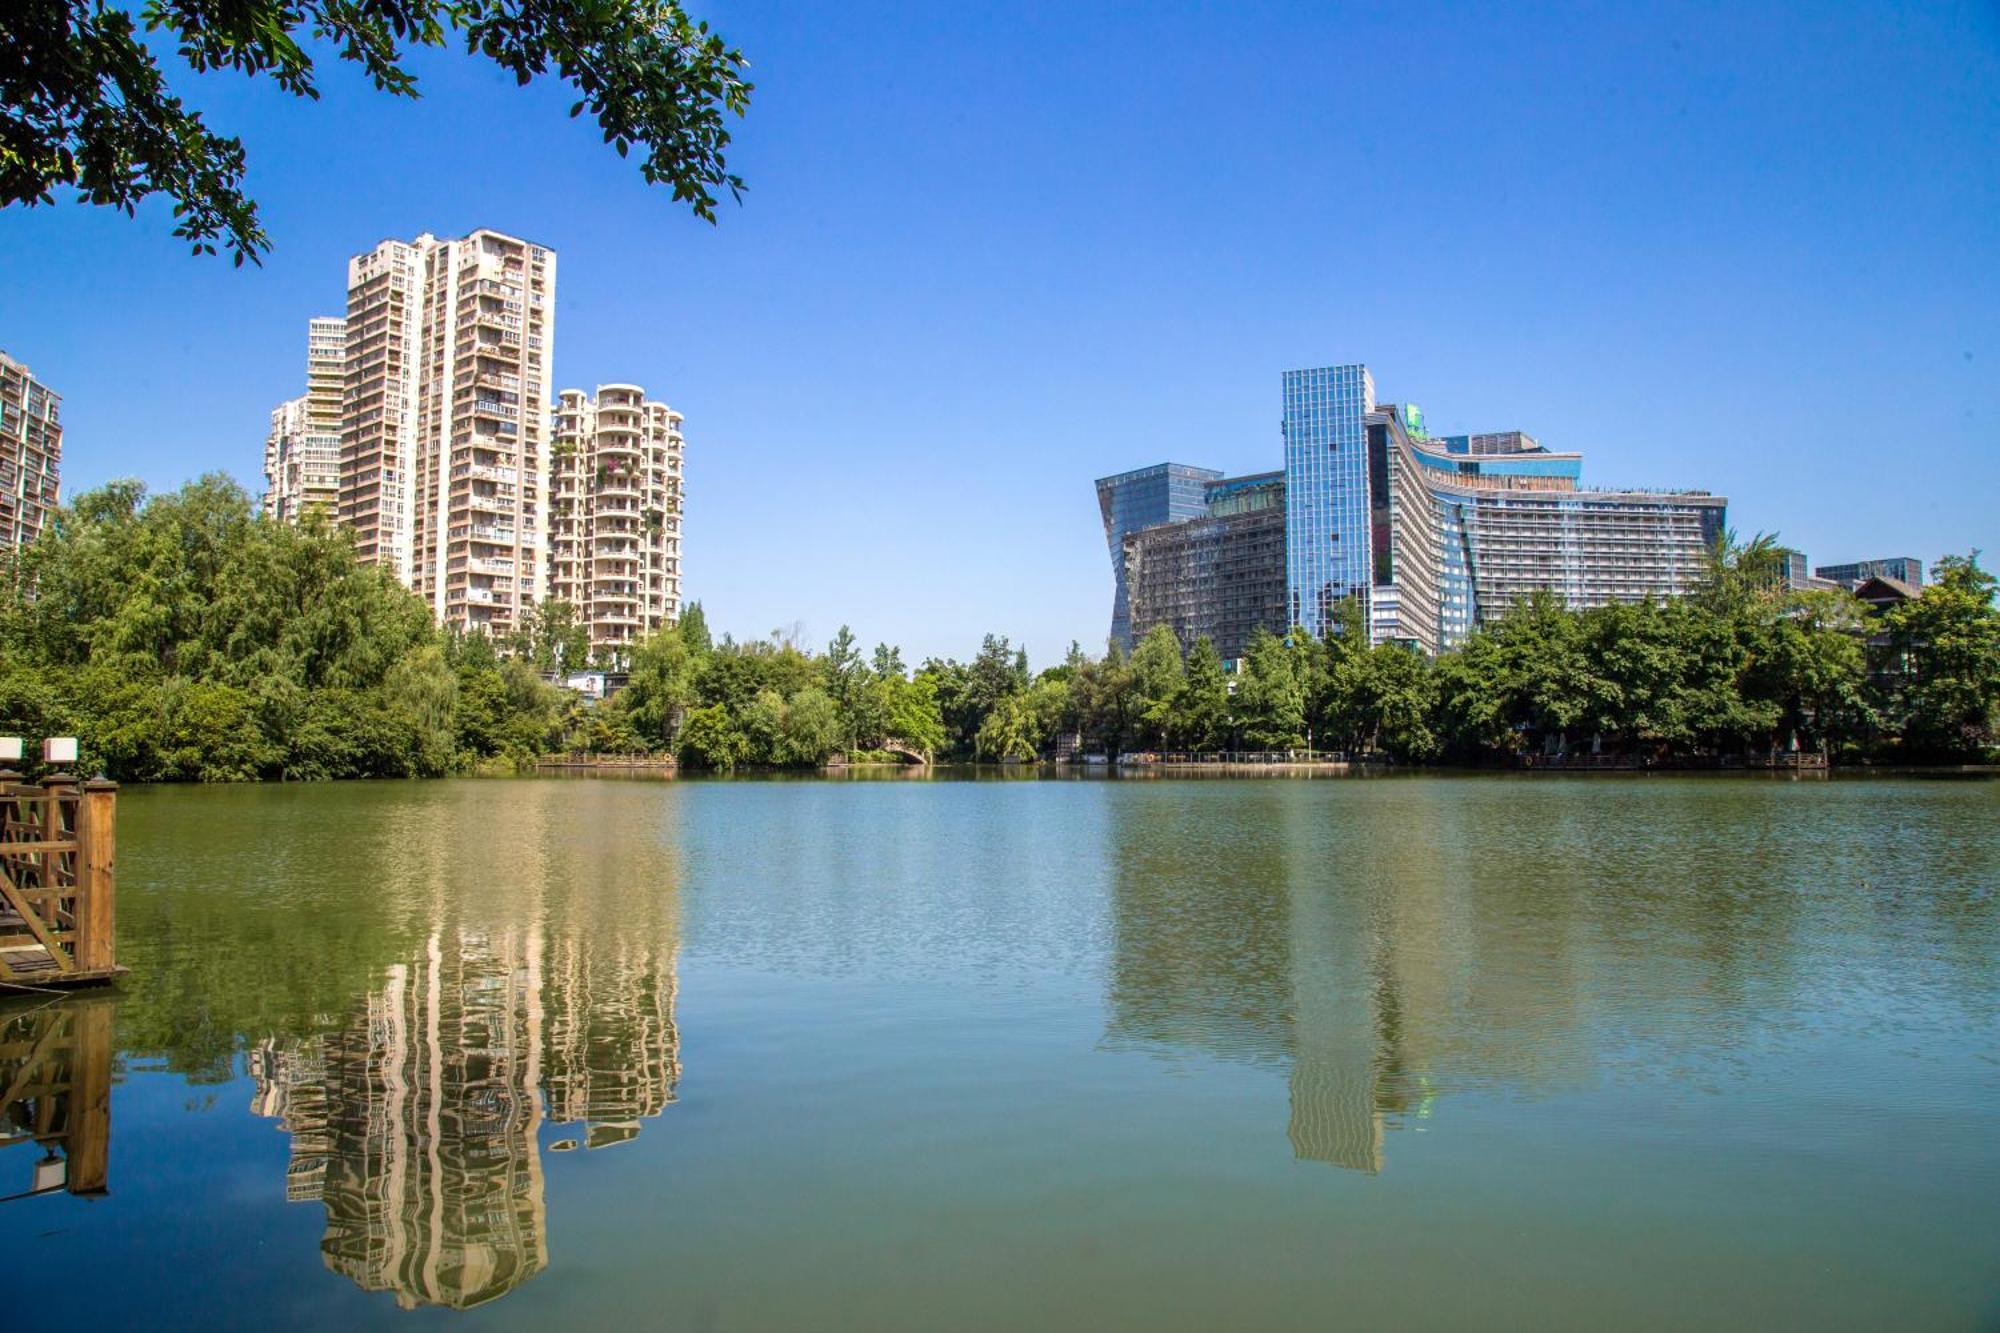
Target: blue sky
{"x": 989, "y": 254}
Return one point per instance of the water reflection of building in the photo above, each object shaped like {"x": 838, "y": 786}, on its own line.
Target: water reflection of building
{"x": 613, "y": 1053}
{"x": 415, "y": 1122}
{"x": 55, "y": 1096}
{"x": 1368, "y": 973}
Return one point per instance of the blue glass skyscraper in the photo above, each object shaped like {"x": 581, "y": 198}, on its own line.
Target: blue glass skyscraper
{"x": 1327, "y": 533}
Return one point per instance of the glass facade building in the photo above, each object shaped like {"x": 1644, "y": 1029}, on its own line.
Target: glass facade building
{"x": 1144, "y": 498}
{"x": 1326, "y": 490}
{"x": 1433, "y": 536}
{"x": 1443, "y": 534}
{"x": 1903, "y": 568}
{"x": 1220, "y": 576}
{"x": 1430, "y": 536}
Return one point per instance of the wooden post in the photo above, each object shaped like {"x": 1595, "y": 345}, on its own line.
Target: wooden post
{"x": 96, "y": 877}
{"x": 59, "y": 790}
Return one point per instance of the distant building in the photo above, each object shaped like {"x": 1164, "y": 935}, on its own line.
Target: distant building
{"x": 1219, "y": 576}
{"x": 302, "y": 451}
{"x": 615, "y": 513}
{"x": 1436, "y": 536}
{"x": 1902, "y": 568}
{"x": 1144, "y": 498}
{"x": 1792, "y": 575}
{"x": 30, "y": 454}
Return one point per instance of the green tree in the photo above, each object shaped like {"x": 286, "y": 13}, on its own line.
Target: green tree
{"x": 1813, "y": 669}
{"x": 888, "y": 661}
{"x": 1942, "y": 662}
{"x": 423, "y": 694}
{"x": 1202, "y": 712}
{"x": 84, "y": 102}
{"x": 811, "y": 729}
{"x": 911, "y": 713}
{"x": 660, "y": 686}
{"x": 1158, "y": 676}
{"x": 693, "y": 627}
{"x": 847, "y": 678}
{"x": 710, "y": 740}
{"x": 1008, "y": 731}
{"x": 1397, "y": 702}
{"x": 1270, "y": 706}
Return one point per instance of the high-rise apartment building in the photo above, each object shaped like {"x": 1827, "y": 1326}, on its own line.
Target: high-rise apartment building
{"x": 288, "y": 420}
{"x": 326, "y": 373}
{"x": 30, "y": 454}
{"x": 1143, "y": 498}
{"x": 615, "y": 513}
{"x": 444, "y": 448}
{"x": 378, "y": 420}
{"x": 302, "y": 451}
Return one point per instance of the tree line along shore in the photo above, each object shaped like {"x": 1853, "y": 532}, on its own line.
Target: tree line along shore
{"x": 181, "y": 637}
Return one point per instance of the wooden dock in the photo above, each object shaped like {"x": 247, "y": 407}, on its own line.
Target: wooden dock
{"x": 58, "y": 882}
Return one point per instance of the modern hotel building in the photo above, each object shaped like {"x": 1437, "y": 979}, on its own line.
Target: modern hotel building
{"x": 1430, "y": 536}
{"x": 1434, "y": 537}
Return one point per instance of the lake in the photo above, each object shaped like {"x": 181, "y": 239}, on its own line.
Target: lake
{"x": 1431, "y": 1051}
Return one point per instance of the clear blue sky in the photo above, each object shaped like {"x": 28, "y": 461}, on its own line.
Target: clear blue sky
{"x": 991, "y": 253}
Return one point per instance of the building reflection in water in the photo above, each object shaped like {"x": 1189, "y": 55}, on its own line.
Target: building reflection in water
{"x": 55, "y": 1096}
{"x": 415, "y": 1122}
{"x": 1365, "y": 966}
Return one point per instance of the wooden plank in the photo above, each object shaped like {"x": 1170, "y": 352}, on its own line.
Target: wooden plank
{"x": 11, "y": 848}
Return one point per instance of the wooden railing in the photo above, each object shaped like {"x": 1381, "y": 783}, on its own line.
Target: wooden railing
{"x": 57, "y": 881}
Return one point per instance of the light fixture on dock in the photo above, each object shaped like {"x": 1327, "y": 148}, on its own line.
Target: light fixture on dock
{"x": 51, "y": 1173}
{"x": 10, "y": 748}
{"x": 59, "y": 750}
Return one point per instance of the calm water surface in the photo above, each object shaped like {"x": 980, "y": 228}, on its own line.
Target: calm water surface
{"x": 1438, "y": 1052}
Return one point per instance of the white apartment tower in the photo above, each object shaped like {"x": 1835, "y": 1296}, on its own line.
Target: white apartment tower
{"x": 444, "y": 437}
{"x": 302, "y": 451}
{"x": 378, "y": 419}
{"x": 615, "y": 514}
{"x": 30, "y": 454}
{"x": 326, "y": 373}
